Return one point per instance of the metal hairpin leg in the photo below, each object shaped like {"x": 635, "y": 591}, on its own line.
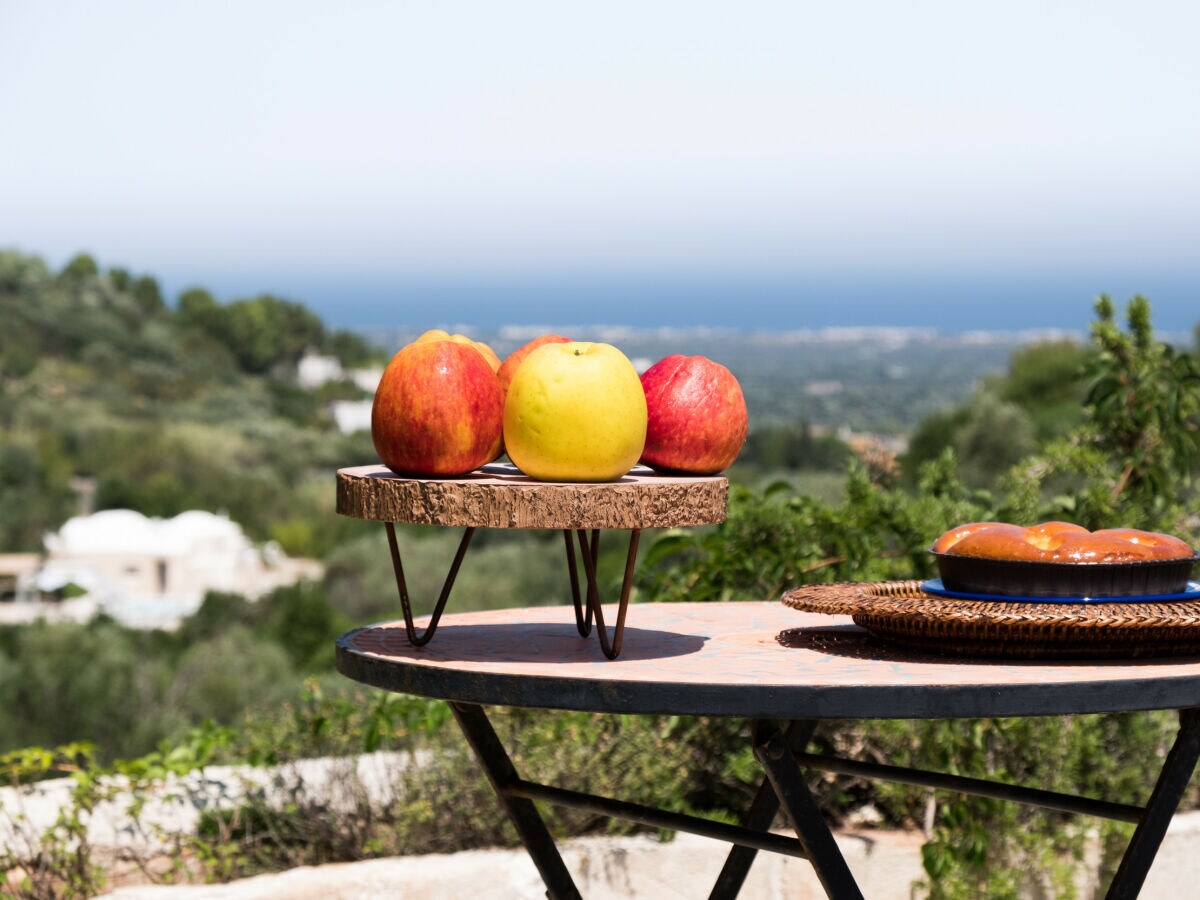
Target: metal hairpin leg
{"x": 1168, "y": 791}
{"x": 587, "y": 604}
{"x": 759, "y": 818}
{"x": 421, "y": 640}
{"x": 582, "y": 623}
{"x": 590, "y": 551}
{"x": 521, "y": 811}
{"x": 774, "y": 753}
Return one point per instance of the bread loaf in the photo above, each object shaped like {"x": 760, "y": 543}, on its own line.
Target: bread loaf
{"x": 1060, "y": 542}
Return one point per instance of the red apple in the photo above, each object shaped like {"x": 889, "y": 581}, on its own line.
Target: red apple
{"x": 509, "y": 367}
{"x": 438, "y": 410}
{"x": 698, "y": 417}
{"x": 437, "y": 334}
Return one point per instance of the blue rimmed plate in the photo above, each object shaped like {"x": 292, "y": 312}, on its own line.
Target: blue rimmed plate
{"x": 934, "y": 586}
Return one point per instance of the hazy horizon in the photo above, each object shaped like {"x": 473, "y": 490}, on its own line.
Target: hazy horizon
{"x": 1006, "y": 303}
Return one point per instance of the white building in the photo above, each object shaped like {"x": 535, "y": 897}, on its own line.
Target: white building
{"x": 314, "y": 370}
{"x": 352, "y": 415}
{"x": 149, "y": 572}
{"x": 349, "y": 415}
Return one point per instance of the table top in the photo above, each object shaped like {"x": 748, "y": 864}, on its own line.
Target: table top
{"x": 500, "y": 496}
{"x": 750, "y": 659}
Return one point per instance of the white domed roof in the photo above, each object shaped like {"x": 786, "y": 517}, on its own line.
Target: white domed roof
{"x": 110, "y": 531}
{"x": 197, "y": 524}
{"x": 127, "y": 531}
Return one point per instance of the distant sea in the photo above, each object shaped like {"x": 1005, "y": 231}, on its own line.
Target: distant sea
{"x": 955, "y": 304}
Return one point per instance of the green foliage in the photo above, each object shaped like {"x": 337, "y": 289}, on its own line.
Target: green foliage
{"x": 775, "y": 538}
{"x": 127, "y": 690}
{"x": 218, "y": 611}
{"x": 266, "y": 475}
{"x": 199, "y": 309}
{"x": 1038, "y": 399}
{"x": 675, "y": 763}
{"x": 166, "y": 409}
{"x": 300, "y": 620}
{"x": 295, "y": 404}
{"x": 222, "y": 678}
{"x": 80, "y": 680}
{"x": 1133, "y": 460}
{"x": 502, "y": 568}
{"x": 291, "y": 823}
{"x": 35, "y": 489}
{"x": 336, "y": 719}
{"x": 1048, "y": 380}
{"x": 120, "y": 278}
{"x": 988, "y": 436}
{"x": 22, "y": 275}
{"x": 146, "y": 292}
{"x": 60, "y": 861}
{"x": 793, "y": 447}
{"x": 1143, "y": 406}
{"x": 981, "y": 847}
{"x": 351, "y": 349}
{"x": 263, "y": 333}
{"x": 80, "y": 267}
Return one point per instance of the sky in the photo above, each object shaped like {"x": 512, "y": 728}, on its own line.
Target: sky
{"x": 674, "y": 163}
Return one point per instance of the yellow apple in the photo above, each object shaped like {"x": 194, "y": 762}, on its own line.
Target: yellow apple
{"x": 437, "y": 334}
{"x": 513, "y": 361}
{"x": 575, "y": 411}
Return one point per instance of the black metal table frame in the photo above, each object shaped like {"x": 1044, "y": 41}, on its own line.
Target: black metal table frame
{"x": 779, "y": 747}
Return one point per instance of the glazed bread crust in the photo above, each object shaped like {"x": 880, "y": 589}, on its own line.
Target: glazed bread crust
{"x": 1060, "y": 542}
{"x": 956, "y": 534}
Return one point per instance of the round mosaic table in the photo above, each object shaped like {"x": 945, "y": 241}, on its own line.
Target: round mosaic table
{"x": 765, "y": 662}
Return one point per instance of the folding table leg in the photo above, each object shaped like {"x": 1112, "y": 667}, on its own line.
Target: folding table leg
{"x": 524, "y": 815}
{"x": 1168, "y": 791}
{"x": 759, "y": 817}
{"x": 805, "y": 817}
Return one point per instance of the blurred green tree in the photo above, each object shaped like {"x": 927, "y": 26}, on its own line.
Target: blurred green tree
{"x": 266, "y": 332}
{"x": 797, "y": 446}
{"x": 1049, "y": 381}
{"x": 222, "y": 678}
{"x": 79, "y": 267}
{"x": 300, "y": 619}
{"x": 148, "y": 296}
{"x": 352, "y": 350}
{"x": 35, "y": 490}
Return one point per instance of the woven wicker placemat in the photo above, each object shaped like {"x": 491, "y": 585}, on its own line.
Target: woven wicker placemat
{"x": 900, "y": 612}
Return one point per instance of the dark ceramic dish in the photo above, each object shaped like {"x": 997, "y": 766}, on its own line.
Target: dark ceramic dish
{"x": 1011, "y": 577}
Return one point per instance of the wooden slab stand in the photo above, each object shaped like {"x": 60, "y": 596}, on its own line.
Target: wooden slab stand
{"x": 499, "y": 496}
